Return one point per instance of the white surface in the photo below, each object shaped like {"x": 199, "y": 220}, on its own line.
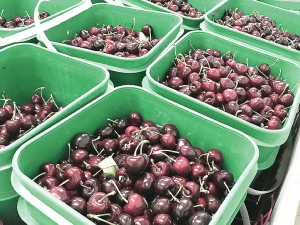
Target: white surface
{"x": 285, "y": 209}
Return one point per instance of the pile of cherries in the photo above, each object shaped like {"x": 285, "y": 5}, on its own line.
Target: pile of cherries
{"x": 259, "y": 26}
{"x": 20, "y": 21}
{"x": 159, "y": 178}
{"x": 250, "y": 93}
{"x": 117, "y": 41}
{"x": 16, "y": 121}
{"x": 182, "y": 7}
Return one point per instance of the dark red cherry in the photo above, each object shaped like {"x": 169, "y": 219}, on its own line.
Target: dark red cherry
{"x": 79, "y": 204}
{"x": 81, "y": 141}
{"x": 136, "y": 205}
{"x": 48, "y": 182}
{"x": 92, "y": 186}
{"x": 124, "y": 219}
{"x": 162, "y": 219}
{"x": 135, "y": 119}
{"x": 183, "y": 210}
{"x": 98, "y": 203}
{"x": 199, "y": 218}
{"x": 145, "y": 184}
{"x": 182, "y": 166}
{"x": 212, "y": 203}
{"x": 61, "y": 193}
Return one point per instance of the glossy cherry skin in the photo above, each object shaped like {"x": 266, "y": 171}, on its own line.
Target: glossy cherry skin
{"x": 188, "y": 152}
{"x": 135, "y": 119}
{"x": 280, "y": 111}
{"x": 183, "y": 209}
{"x": 161, "y": 205}
{"x": 182, "y": 166}
{"x": 125, "y": 192}
{"x": 124, "y": 219}
{"x": 274, "y": 124}
{"x": 200, "y": 201}
{"x": 163, "y": 169}
{"x": 93, "y": 162}
{"x": 49, "y": 168}
{"x": 97, "y": 204}
{"x": 124, "y": 179}
{"x": 199, "y": 218}
{"x": 152, "y": 134}
{"x": 61, "y": 193}
{"x": 156, "y": 157}
{"x": 164, "y": 184}
{"x": 198, "y": 170}
{"x": 119, "y": 159}
{"x": 223, "y": 176}
{"x": 136, "y": 205}
{"x": 145, "y": 184}
{"x": 190, "y": 191}
{"x": 107, "y": 187}
{"x": 212, "y": 203}
{"x": 48, "y": 182}
{"x": 79, "y": 204}
{"x": 81, "y": 141}
{"x": 162, "y": 219}
{"x": 141, "y": 220}
{"x": 135, "y": 165}
{"x": 13, "y": 126}
{"x": 214, "y": 155}
{"x": 115, "y": 210}
{"x": 168, "y": 141}
{"x": 79, "y": 156}
{"x": 75, "y": 175}
{"x": 125, "y": 144}
{"x": 94, "y": 186}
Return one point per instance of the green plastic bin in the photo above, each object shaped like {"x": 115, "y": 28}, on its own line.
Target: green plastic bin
{"x": 239, "y": 151}
{"x": 268, "y": 141}
{"x": 8, "y": 208}
{"x": 25, "y": 67}
{"x": 188, "y": 22}
{"x": 286, "y": 18}
{"x": 284, "y": 4}
{"x": 122, "y": 70}
{"x": 13, "y": 8}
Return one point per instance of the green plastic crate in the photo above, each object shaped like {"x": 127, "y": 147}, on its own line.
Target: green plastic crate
{"x": 284, "y": 4}
{"x": 122, "y": 70}
{"x": 239, "y": 151}
{"x": 13, "y": 8}
{"x": 73, "y": 84}
{"x": 188, "y": 22}
{"x": 286, "y": 18}
{"x": 268, "y": 141}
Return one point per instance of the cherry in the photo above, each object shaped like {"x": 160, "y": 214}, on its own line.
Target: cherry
{"x": 61, "y": 193}
{"x": 160, "y": 169}
{"x": 135, "y": 119}
{"x": 190, "y": 190}
{"x": 280, "y": 111}
{"x": 145, "y": 184}
{"x": 124, "y": 219}
{"x": 135, "y": 165}
{"x": 81, "y": 141}
{"x": 198, "y": 170}
{"x": 93, "y": 163}
{"x": 125, "y": 193}
{"x": 280, "y": 87}
{"x": 226, "y": 83}
{"x": 274, "y": 124}
{"x": 59, "y": 173}
{"x": 115, "y": 210}
{"x": 253, "y": 93}
{"x": 79, "y": 204}
{"x": 257, "y": 119}
{"x": 141, "y": 220}
{"x": 201, "y": 204}
{"x": 231, "y": 107}
{"x": 230, "y": 95}
{"x": 210, "y": 86}
{"x": 87, "y": 174}
{"x": 119, "y": 159}
{"x": 27, "y": 122}
{"x": 256, "y": 104}
{"x": 223, "y": 178}
{"x": 264, "y": 68}
{"x": 175, "y": 82}
{"x": 199, "y": 218}
{"x": 188, "y": 152}
{"x": 105, "y": 131}
{"x": 170, "y": 129}
{"x": 98, "y": 203}
{"x": 124, "y": 179}
{"x": 109, "y": 186}
{"x": 152, "y": 134}
{"x": 79, "y": 156}
{"x": 164, "y": 185}
{"x": 213, "y": 74}
{"x": 74, "y": 175}
{"x": 168, "y": 141}
{"x": 161, "y": 205}
{"x": 183, "y": 210}
{"x": 286, "y": 100}
{"x": 162, "y": 219}
{"x": 267, "y": 112}
{"x": 212, "y": 203}
{"x": 182, "y": 166}
{"x": 274, "y": 98}
{"x": 179, "y": 180}
{"x": 48, "y": 182}
{"x": 136, "y": 205}
{"x": 90, "y": 187}
{"x": 245, "y": 109}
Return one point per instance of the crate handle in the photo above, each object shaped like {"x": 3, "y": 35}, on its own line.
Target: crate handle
{"x": 55, "y": 21}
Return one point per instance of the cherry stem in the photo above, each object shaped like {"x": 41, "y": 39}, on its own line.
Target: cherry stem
{"x": 92, "y": 216}
{"x": 185, "y": 190}
{"x": 58, "y": 167}
{"x": 133, "y": 23}
{"x": 109, "y": 194}
{"x": 190, "y": 42}
{"x": 157, "y": 125}
{"x": 226, "y": 53}
{"x": 69, "y": 159}
{"x": 261, "y": 72}
{"x": 146, "y": 203}
{"x": 158, "y": 152}
{"x": 124, "y": 199}
{"x": 66, "y": 181}
{"x": 295, "y": 86}
{"x": 286, "y": 86}
{"x": 165, "y": 155}
{"x": 201, "y": 205}
{"x": 53, "y": 101}
{"x": 41, "y": 88}
{"x": 122, "y": 178}
{"x": 247, "y": 62}
{"x": 260, "y": 115}
{"x": 96, "y": 139}
{"x": 97, "y": 172}
{"x": 49, "y": 115}
{"x": 82, "y": 185}
{"x": 15, "y": 105}
{"x": 284, "y": 120}
{"x": 157, "y": 168}
{"x": 137, "y": 147}
{"x": 4, "y": 99}
{"x": 41, "y": 174}
{"x": 276, "y": 60}
{"x": 226, "y": 186}
{"x": 2, "y": 12}
{"x": 111, "y": 120}
{"x": 177, "y": 192}
{"x": 173, "y": 197}
{"x": 14, "y": 113}
{"x": 208, "y": 162}
{"x": 27, "y": 14}
{"x": 237, "y": 112}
